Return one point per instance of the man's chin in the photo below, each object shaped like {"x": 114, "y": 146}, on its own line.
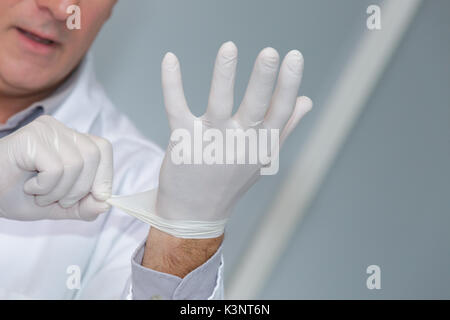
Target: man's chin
{"x": 22, "y": 86}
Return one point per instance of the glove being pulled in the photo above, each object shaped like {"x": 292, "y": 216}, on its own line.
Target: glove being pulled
{"x": 49, "y": 171}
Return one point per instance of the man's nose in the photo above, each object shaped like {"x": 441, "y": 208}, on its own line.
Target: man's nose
{"x": 58, "y": 8}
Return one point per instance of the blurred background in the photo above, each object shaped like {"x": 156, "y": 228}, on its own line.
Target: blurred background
{"x": 381, "y": 197}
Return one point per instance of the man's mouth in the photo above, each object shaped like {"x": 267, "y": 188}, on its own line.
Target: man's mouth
{"x": 35, "y": 37}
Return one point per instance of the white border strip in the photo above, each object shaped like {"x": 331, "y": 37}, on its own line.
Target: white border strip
{"x": 342, "y": 109}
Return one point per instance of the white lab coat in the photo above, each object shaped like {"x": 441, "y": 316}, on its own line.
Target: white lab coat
{"x": 39, "y": 258}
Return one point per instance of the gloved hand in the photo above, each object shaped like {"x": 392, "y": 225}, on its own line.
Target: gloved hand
{"x": 197, "y": 199}
{"x": 49, "y": 171}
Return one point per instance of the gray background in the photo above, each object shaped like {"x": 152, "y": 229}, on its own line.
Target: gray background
{"x": 386, "y": 199}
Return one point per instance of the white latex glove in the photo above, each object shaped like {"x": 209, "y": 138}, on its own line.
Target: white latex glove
{"x": 209, "y": 192}
{"x": 195, "y": 200}
{"x": 49, "y": 171}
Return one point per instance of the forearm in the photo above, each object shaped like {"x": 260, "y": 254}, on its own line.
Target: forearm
{"x": 177, "y": 256}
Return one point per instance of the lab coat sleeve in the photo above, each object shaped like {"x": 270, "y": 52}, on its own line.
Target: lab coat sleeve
{"x": 205, "y": 282}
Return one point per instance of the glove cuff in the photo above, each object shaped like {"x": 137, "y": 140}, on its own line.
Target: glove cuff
{"x": 142, "y": 207}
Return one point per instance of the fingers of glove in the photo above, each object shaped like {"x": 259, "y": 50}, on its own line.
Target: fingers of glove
{"x": 172, "y": 86}
{"x": 302, "y": 107}
{"x": 90, "y": 208}
{"x": 221, "y": 98}
{"x": 260, "y": 88}
{"x": 102, "y": 187}
{"x": 285, "y": 95}
{"x": 50, "y": 170}
{"x": 37, "y": 155}
{"x": 72, "y": 165}
{"x": 87, "y": 209}
{"x": 90, "y": 154}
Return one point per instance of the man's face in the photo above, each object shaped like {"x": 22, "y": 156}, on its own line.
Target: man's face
{"x": 37, "y": 49}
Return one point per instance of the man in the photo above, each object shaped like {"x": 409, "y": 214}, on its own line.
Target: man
{"x": 58, "y": 132}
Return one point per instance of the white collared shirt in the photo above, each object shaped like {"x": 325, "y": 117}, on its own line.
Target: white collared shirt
{"x": 47, "y": 259}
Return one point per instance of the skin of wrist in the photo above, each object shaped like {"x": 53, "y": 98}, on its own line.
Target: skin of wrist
{"x": 177, "y": 256}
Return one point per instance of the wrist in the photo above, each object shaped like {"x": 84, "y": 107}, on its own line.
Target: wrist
{"x": 178, "y": 256}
